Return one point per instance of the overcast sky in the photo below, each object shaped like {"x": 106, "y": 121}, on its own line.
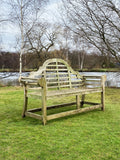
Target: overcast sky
{"x": 8, "y": 32}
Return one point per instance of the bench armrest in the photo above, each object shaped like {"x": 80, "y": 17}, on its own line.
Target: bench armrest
{"x": 95, "y": 77}
{"x": 33, "y": 81}
{"x": 27, "y": 80}
{"x": 98, "y": 81}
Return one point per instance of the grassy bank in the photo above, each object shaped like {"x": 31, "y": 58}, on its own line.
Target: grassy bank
{"x": 101, "y": 70}
{"x": 88, "y": 136}
{"x": 16, "y": 70}
{"x": 84, "y": 70}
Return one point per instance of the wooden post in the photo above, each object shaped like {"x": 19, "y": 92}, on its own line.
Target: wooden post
{"x": 42, "y": 83}
{"x": 44, "y": 112}
{"x": 25, "y": 101}
{"x": 57, "y": 75}
{"x": 103, "y": 92}
{"x": 83, "y": 95}
{"x": 82, "y": 100}
{"x": 78, "y": 101}
{"x": 70, "y": 79}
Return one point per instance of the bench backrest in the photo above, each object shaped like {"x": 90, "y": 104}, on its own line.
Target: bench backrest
{"x": 58, "y": 74}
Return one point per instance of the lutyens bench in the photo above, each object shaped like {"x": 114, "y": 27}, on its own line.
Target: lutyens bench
{"x": 57, "y": 78}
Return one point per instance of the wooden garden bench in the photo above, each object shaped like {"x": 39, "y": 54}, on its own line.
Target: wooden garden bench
{"x": 57, "y": 78}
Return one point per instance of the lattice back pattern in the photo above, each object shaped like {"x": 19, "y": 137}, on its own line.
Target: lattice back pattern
{"x": 58, "y": 74}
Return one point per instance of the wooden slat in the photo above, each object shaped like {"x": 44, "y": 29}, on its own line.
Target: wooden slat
{"x": 92, "y": 80}
{"x": 55, "y": 78}
{"x": 76, "y": 80}
{"x": 55, "y": 65}
{"x": 57, "y": 75}
{"x": 59, "y": 69}
{"x": 63, "y": 114}
{"x": 66, "y": 92}
{"x": 50, "y": 78}
{"x": 77, "y": 85}
{"x": 57, "y": 82}
{"x": 62, "y": 78}
{"x": 92, "y": 84}
{"x": 73, "y": 76}
{"x": 74, "y": 91}
{"x": 31, "y": 83}
{"x": 65, "y": 73}
{"x": 61, "y": 86}
{"x": 33, "y": 115}
{"x": 38, "y": 88}
{"x": 91, "y": 103}
{"x": 35, "y": 110}
{"x": 28, "y": 78}
{"x": 95, "y": 77}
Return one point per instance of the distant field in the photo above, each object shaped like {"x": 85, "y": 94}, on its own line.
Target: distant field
{"x": 88, "y": 136}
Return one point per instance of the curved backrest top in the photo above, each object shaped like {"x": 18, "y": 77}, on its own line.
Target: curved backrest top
{"x": 58, "y": 74}
{"x": 56, "y": 61}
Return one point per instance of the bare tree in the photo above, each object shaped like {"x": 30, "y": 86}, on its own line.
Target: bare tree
{"x": 97, "y": 21}
{"x": 41, "y": 38}
{"x": 66, "y": 35}
{"x": 24, "y": 13}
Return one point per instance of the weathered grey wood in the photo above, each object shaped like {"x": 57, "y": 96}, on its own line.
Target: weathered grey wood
{"x": 28, "y": 78}
{"x": 25, "y": 101}
{"x": 92, "y": 77}
{"x": 63, "y": 114}
{"x": 91, "y": 103}
{"x": 60, "y": 105}
{"x": 78, "y": 101}
{"x": 57, "y": 82}
{"x": 57, "y": 74}
{"x": 53, "y": 93}
{"x": 31, "y": 83}
{"x": 93, "y": 80}
{"x": 36, "y": 88}
{"x": 35, "y": 110}
{"x": 93, "y": 84}
{"x": 51, "y": 107}
{"x": 56, "y": 69}
{"x": 76, "y": 85}
{"x": 82, "y": 100}
{"x": 103, "y": 92}
{"x": 42, "y": 83}
{"x": 55, "y": 65}
{"x": 33, "y": 115}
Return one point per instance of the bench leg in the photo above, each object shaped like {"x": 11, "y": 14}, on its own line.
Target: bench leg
{"x": 78, "y": 101}
{"x": 82, "y": 100}
{"x": 44, "y": 110}
{"x": 103, "y": 100}
{"x": 103, "y": 92}
{"x": 25, "y": 101}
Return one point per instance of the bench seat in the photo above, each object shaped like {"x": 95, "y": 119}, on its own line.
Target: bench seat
{"x": 64, "y": 92}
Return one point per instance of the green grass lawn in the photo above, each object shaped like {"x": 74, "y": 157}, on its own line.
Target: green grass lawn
{"x": 93, "y": 135}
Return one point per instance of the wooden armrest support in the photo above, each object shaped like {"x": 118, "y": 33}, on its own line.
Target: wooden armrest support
{"x": 42, "y": 82}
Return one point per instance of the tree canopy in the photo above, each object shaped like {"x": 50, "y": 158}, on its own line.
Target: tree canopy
{"x": 96, "y": 21}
